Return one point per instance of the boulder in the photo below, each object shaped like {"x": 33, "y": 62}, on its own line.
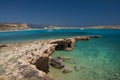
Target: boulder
{"x": 66, "y": 70}
{"x": 41, "y": 59}
{"x": 95, "y": 36}
{"x": 42, "y": 63}
{"x": 57, "y": 63}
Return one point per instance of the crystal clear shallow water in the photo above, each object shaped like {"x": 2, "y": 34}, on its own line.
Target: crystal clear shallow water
{"x": 96, "y": 59}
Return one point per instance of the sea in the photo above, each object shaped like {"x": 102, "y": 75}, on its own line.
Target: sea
{"x": 94, "y": 59}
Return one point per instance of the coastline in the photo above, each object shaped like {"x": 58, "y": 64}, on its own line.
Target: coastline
{"x": 18, "y": 30}
{"x": 81, "y": 28}
{"x": 16, "y": 58}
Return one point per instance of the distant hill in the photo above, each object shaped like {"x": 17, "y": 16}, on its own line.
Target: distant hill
{"x": 13, "y": 26}
{"x": 43, "y": 26}
{"x": 105, "y": 27}
{"x": 22, "y": 26}
{"x": 38, "y": 26}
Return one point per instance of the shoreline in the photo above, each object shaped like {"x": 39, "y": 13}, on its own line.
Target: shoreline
{"x": 60, "y": 28}
{"x": 16, "y": 58}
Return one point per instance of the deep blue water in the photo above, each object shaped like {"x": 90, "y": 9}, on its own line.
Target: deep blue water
{"x": 95, "y": 59}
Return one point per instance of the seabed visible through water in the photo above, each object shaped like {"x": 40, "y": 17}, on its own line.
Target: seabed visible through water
{"x": 96, "y": 59}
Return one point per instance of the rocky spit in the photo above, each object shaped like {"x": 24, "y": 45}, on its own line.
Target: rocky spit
{"x": 30, "y": 60}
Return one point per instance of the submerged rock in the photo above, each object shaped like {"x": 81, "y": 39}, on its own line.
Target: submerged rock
{"x": 76, "y": 68}
{"x": 66, "y": 70}
{"x": 117, "y": 74}
{"x": 66, "y": 58}
{"x": 57, "y": 63}
{"x": 46, "y": 78}
{"x": 83, "y": 67}
{"x": 82, "y": 38}
{"x": 95, "y": 36}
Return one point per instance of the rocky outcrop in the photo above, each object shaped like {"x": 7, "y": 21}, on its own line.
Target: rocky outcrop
{"x": 87, "y": 37}
{"x": 64, "y": 44}
{"x": 69, "y": 43}
{"x": 30, "y": 60}
{"x": 42, "y": 63}
{"x": 15, "y": 26}
{"x": 26, "y": 61}
{"x": 82, "y": 38}
{"x": 57, "y": 62}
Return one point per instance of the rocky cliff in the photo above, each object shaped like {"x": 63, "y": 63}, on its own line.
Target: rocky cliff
{"x": 15, "y": 26}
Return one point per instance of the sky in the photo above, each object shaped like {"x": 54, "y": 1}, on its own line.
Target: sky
{"x": 61, "y": 12}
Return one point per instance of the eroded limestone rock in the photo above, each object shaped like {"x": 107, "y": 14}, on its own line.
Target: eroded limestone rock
{"x": 64, "y": 44}
{"x": 82, "y": 38}
{"x": 57, "y": 62}
{"x": 29, "y": 60}
{"x": 42, "y": 63}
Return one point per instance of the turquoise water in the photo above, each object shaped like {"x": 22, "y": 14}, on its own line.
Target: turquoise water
{"x": 17, "y": 36}
{"x": 96, "y": 59}
{"x": 14, "y": 36}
